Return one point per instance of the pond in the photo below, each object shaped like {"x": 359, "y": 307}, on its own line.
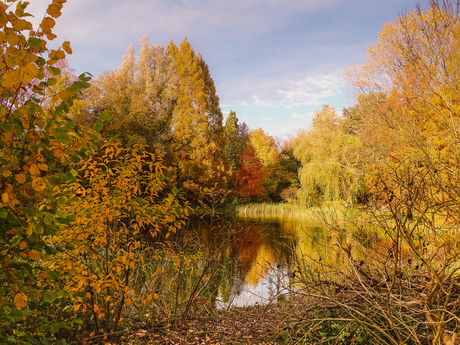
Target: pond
{"x": 260, "y": 254}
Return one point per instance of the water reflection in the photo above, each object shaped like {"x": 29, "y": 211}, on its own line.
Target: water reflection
{"x": 257, "y": 255}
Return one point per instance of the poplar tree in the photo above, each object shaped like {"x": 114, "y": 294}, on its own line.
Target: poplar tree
{"x": 235, "y": 143}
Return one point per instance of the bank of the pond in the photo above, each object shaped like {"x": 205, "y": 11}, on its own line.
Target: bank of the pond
{"x": 278, "y": 323}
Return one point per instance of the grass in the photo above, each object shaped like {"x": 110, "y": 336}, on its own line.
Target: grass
{"x": 338, "y": 210}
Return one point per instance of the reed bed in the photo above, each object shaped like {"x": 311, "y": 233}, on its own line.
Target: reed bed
{"x": 336, "y": 209}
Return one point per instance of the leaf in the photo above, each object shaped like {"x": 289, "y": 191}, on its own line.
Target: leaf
{"x": 105, "y": 116}
{"x": 46, "y": 24}
{"x": 34, "y": 255}
{"x": 128, "y": 302}
{"x": 5, "y": 198}
{"x": 49, "y": 297}
{"x": 62, "y": 200}
{"x": 21, "y": 178}
{"x": 38, "y": 184}
{"x": 70, "y": 125}
{"x": 34, "y": 169}
{"x": 3, "y": 213}
{"x": 20, "y": 300}
{"x": 34, "y": 42}
{"x": 48, "y": 219}
{"x": 66, "y": 47}
{"x": 98, "y": 125}
{"x": 58, "y": 152}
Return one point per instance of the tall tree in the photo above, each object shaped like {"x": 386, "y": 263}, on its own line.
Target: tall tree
{"x": 237, "y": 139}
{"x": 231, "y": 136}
{"x": 250, "y": 176}
{"x": 198, "y": 132}
{"x": 139, "y": 95}
{"x": 326, "y": 152}
{"x": 264, "y": 145}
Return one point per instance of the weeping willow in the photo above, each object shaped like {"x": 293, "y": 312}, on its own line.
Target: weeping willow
{"x": 330, "y": 165}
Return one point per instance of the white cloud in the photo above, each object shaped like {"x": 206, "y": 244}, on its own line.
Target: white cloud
{"x": 312, "y": 90}
{"x": 268, "y": 119}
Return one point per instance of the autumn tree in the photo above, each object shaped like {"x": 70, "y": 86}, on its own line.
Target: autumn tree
{"x": 139, "y": 96}
{"x": 198, "y": 133}
{"x": 250, "y": 176}
{"x": 326, "y": 152}
{"x": 34, "y": 145}
{"x": 410, "y": 138}
{"x": 264, "y": 145}
{"x": 119, "y": 215}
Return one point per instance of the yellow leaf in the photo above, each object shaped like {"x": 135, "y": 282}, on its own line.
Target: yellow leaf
{"x": 20, "y": 300}
{"x": 34, "y": 255}
{"x": 25, "y": 121}
{"x": 128, "y": 302}
{"x": 60, "y": 55}
{"x": 126, "y": 289}
{"x": 54, "y": 10}
{"x": 21, "y": 178}
{"x": 76, "y": 307}
{"x": 43, "y": 166}
{"x": 22, "y": 245}
{"x": 155, "y": 296}
{"x": 7, "y": 173}
{"x": 38, "y": 184}
{"x": 46, "y": 24}
{"x": 66, "y": 47}
{"x": 34, "y": 170}
{"x": 5, "y": 197}
{"x": 108, "y": 298}
{"x": 9, "y": 79}
{"x": 58, "y": 152}
{"x": 30, "y": 229}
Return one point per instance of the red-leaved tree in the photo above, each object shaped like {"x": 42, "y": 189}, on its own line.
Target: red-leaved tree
{"x": 250, "y": 176}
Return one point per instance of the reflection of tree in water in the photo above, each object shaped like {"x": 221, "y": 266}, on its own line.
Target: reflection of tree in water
{"x": 260, "y": 251}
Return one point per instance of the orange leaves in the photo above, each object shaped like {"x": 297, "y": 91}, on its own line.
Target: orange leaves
{"x": 113, "y": 199}
{"x": 34, "y": 255}
{"x": 38, "y": 184}
{"x": 20, "y": 300}
{"x": 66, "y": 47}
{"x": 47, "y": 24}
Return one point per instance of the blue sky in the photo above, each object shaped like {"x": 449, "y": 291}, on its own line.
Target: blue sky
{"x": 273, "y": 61}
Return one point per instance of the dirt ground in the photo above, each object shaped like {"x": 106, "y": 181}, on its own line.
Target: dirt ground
{"x": 267, "y": 324}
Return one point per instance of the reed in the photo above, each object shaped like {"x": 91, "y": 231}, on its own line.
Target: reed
{"x": 339, "y": 210}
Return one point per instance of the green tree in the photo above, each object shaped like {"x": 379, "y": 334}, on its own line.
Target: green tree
{"x": 232, "y": 148}
{"x": 329, "y": 170}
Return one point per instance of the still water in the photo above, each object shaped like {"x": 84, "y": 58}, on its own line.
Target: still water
{"x": 260, "y": 255}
